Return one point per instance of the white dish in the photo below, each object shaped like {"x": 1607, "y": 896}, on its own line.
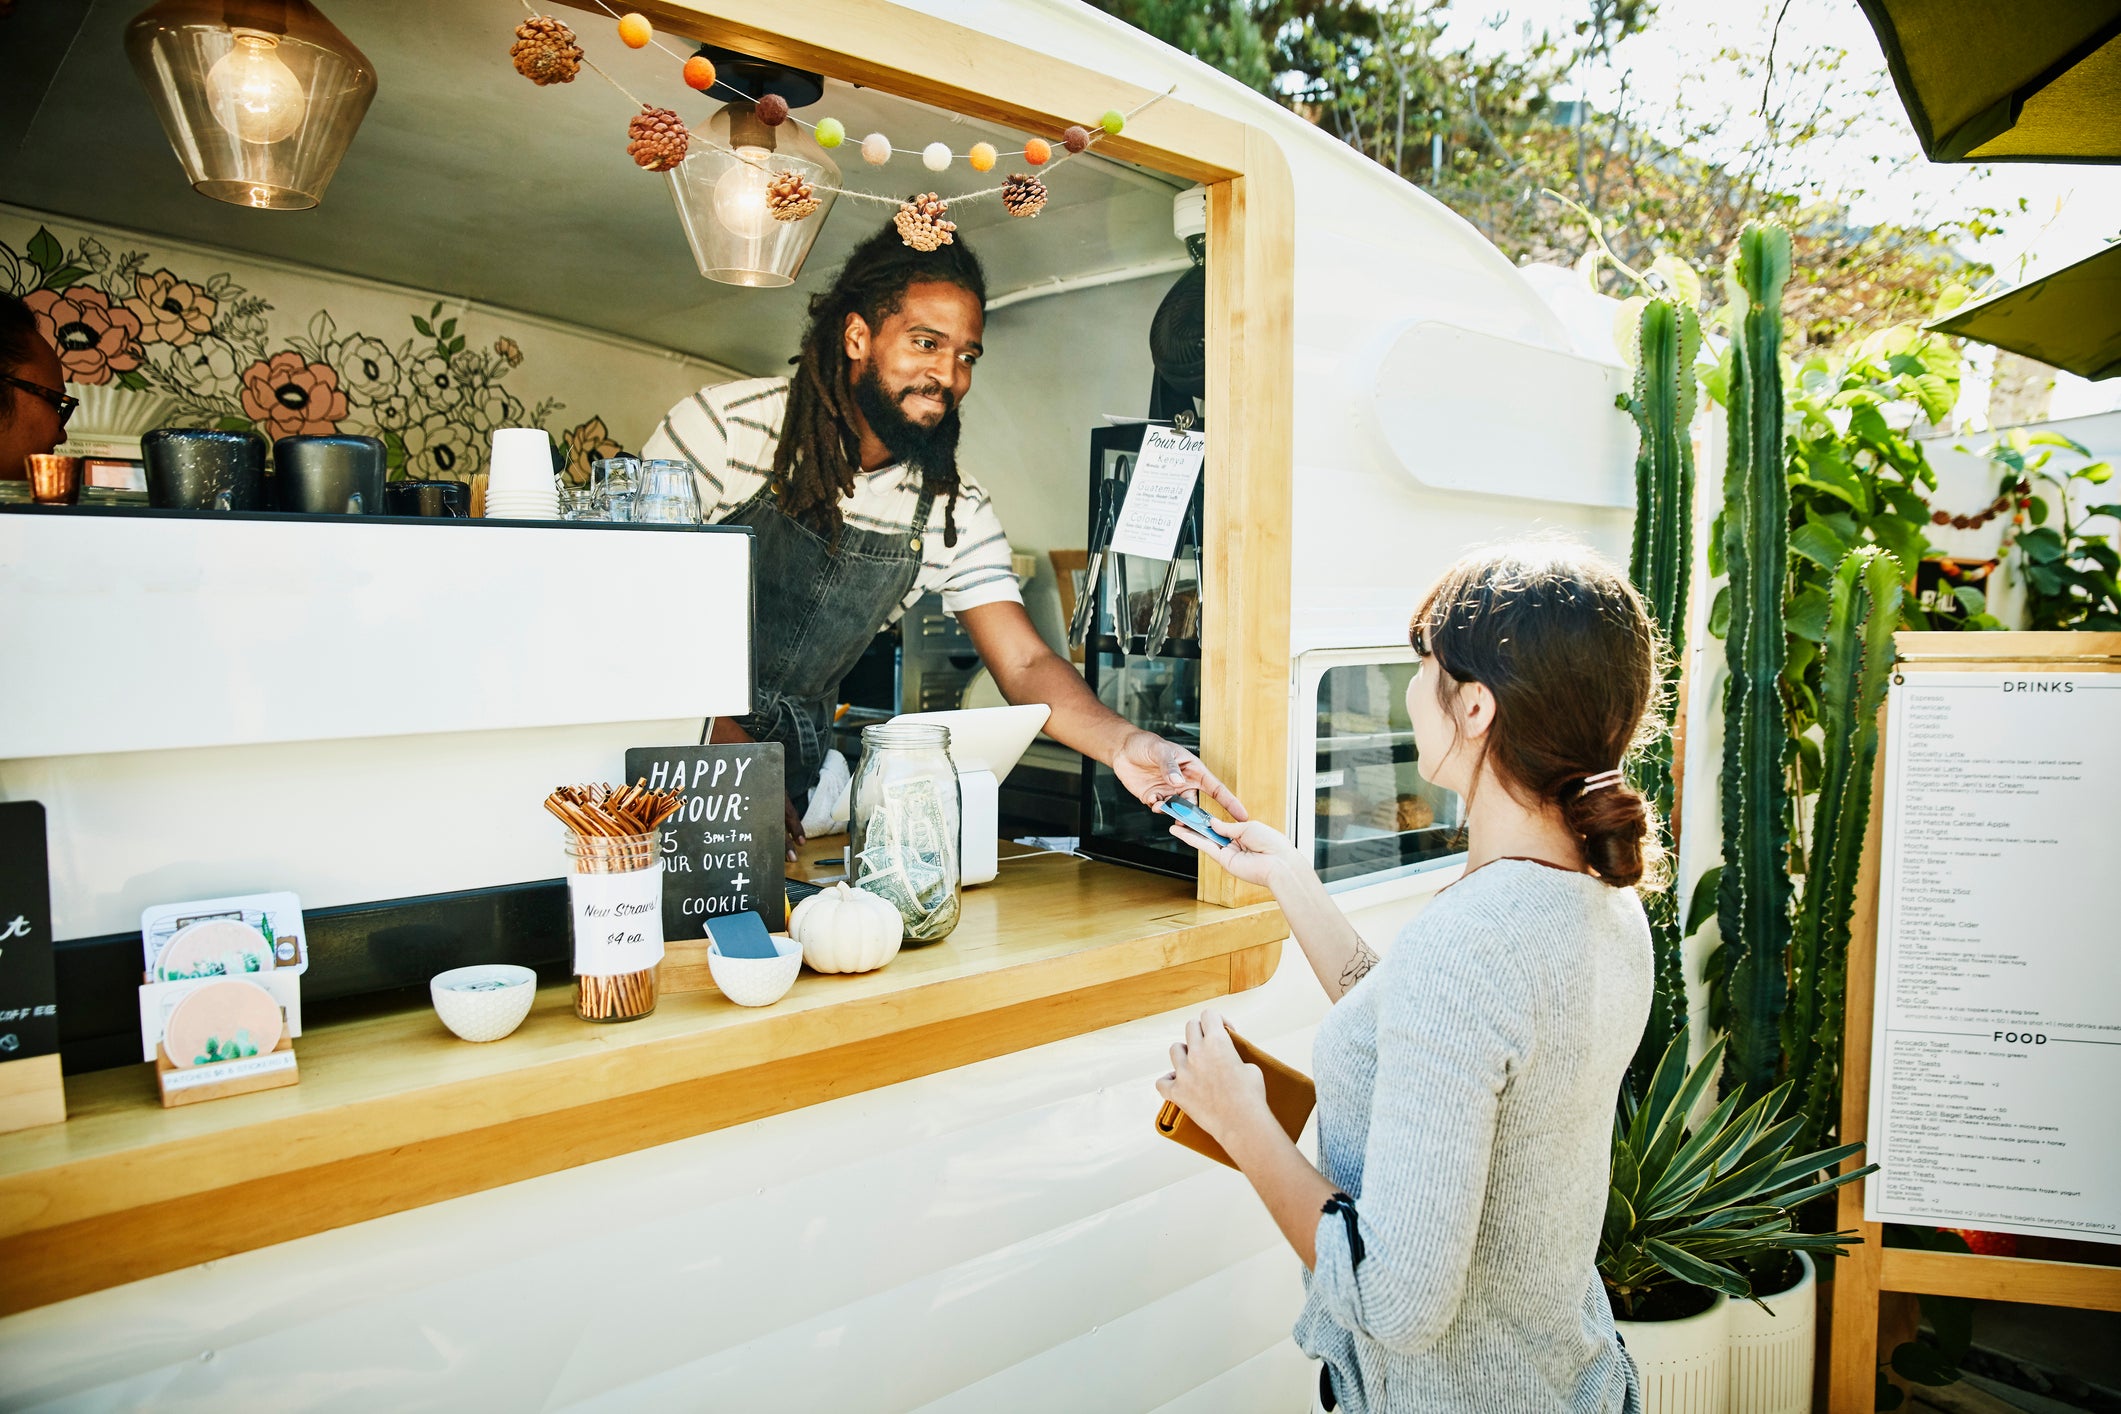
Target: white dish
{"x": 486, "y": 1002}
{"x": 757, "y": 981}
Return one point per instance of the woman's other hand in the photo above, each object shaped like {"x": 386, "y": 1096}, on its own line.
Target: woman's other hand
{"x": 1257, "y": 852}
{"x": 1213, "y": 1084}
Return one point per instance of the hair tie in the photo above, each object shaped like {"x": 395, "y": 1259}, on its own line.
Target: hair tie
{"x": 1600, "y": 781}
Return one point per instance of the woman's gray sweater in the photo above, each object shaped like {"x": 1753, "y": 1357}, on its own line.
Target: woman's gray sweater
{"x": 1465, "y": 1102}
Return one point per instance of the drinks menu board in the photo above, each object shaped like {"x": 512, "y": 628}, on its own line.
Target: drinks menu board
{"x": 1996, "y": 1044}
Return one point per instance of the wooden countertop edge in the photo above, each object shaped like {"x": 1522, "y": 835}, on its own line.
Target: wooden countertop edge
{"x": 121, "y": 1179}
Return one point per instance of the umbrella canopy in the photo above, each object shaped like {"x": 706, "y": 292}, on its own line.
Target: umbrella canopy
{"x": 1985, "y": 81}
{"x": 2070, "y": 319}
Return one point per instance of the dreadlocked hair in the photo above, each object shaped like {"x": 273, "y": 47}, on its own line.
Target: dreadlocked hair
{"x": 818, "y": 457}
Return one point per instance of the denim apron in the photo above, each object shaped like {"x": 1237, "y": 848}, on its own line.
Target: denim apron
{"x": 817, "y": 609}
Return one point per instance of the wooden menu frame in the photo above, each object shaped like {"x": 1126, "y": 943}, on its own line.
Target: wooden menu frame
{"x": 1871, "y": 1268}
{"x": 899, "y": 50}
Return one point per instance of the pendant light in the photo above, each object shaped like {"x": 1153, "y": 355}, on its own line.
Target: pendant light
{"x": 259, "y": 98}
{"x": 720, "y": 190}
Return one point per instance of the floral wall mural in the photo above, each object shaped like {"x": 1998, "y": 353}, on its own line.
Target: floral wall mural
{"x": 189, "y": 338}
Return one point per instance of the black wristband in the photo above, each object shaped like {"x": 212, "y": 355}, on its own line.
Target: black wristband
{"x": 1342, "y": 1204}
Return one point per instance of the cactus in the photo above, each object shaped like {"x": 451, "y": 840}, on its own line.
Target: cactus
{"x": 1863, "y": 610}
{"x": 1753, "y": 897}
{"x": 1667, "y": 340}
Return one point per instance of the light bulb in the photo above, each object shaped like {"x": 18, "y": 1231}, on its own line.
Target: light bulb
{"x": 253, "y": 93}
{"x": 740, "y": 194}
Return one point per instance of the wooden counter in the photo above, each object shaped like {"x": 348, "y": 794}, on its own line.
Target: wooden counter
{"x": 394, "y": 1112}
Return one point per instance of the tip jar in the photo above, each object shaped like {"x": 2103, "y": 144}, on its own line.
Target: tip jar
{"x": 906, "y": 823}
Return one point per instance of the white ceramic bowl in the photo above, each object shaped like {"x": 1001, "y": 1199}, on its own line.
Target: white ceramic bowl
{"x": 757, "y": 981}
{"x": 486, "y": 1002}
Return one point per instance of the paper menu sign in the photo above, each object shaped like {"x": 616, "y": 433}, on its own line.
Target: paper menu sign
{"x": 1996, "y": 1043}
{"x": 244, "y": 935}
{"x": 1158, "y": 492}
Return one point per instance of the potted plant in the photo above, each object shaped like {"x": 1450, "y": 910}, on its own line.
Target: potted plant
{"x": 1695, "y": 1214}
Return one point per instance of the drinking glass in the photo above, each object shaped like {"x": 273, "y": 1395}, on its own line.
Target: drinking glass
{"x": 667, "y": 496}
{"x": 613, "y": 482}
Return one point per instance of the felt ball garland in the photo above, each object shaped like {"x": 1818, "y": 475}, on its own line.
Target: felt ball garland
{"x": 547, "y": 51}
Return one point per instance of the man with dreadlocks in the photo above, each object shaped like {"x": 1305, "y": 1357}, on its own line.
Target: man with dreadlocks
{"x": 847, "y": 475}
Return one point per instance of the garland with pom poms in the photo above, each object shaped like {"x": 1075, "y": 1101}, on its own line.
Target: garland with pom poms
{"x": 546, "y": 52}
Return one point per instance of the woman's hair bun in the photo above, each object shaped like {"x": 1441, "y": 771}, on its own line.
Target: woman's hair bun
{"x": 1614, "y": 821}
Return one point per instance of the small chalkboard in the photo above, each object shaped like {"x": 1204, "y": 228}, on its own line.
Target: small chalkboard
{"x": 726, "y": 849}
{"x": 29, "y": 991}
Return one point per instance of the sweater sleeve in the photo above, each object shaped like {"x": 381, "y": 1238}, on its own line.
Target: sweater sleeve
{"x": 1449, "y": 1033}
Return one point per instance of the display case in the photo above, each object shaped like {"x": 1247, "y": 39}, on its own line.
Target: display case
{"x": 1141, "y": 656}
{"x": 1365, "y": 815}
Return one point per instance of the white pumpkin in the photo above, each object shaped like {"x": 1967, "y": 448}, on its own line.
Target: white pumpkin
{"x": 846, "y": 930}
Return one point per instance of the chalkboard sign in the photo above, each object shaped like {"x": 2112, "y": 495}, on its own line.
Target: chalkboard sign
{"x": 29, "y": 992}
{"x": 726, "y": 848}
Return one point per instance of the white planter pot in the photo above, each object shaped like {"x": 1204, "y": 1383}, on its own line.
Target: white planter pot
{"x": 1771, "y": 1355}
{"x": 1686, "y": 1364}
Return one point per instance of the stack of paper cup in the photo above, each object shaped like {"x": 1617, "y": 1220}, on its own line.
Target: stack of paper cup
{"x": 519, "y": 480}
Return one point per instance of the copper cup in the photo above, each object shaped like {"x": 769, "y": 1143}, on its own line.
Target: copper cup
{"x": 54, "y": 480}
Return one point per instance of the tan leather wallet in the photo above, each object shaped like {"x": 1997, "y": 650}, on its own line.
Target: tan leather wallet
{"x": 1290, "y": 1095}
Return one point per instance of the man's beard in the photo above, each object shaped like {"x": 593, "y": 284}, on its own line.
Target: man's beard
{"x": 931, "y": 451}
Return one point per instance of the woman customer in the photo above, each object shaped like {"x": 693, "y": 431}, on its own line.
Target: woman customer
{"x": 1466, "y": 1082}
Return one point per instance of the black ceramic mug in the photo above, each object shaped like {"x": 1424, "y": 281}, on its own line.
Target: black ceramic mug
{"x": 340, "y": 475}
{"x": 192, "y": 469}
{"x": 428, "y": 498}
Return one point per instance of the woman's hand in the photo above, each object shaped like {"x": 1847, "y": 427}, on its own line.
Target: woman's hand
{"x": 1155, "y": 770}
{"x": 1213, "y": 1085}
{"x": 1257, "y": 852}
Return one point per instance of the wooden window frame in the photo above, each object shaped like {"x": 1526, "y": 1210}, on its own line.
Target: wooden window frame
{"x": 1251, "y": 306}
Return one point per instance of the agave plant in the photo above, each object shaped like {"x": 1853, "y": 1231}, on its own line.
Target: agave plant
{"x": 1702, "y": 1205}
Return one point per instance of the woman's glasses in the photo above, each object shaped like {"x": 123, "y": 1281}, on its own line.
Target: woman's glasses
{"x": 62, "y": 403}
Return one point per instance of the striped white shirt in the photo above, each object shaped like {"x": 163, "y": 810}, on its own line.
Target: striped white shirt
{"x": 728, "y": 433}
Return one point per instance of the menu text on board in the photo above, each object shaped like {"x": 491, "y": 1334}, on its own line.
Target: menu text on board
{"x": 1996, "y": 1046}
{"x": 725, "y": 848}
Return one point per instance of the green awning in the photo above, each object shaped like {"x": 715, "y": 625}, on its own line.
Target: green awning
{"x": 2006, "y": 80}
{"x": 2070, "y": 319}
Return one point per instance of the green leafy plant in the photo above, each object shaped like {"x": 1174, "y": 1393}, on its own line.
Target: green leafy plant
{"x": 1863, "y": 610}
{"x": 1753, "y": 900}
{"x": 2072, "y": 574}
{"x": 1667, "y": 342}
{"x": 1698, "y": 1206}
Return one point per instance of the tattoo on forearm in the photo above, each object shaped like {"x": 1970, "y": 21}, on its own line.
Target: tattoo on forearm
{"x": 1358, "y": 966}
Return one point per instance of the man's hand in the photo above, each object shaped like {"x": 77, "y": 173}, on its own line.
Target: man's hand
{"x": 726, "y": 732}
{"x": 1155, "y": 770}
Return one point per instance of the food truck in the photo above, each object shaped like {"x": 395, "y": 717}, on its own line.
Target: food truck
{"x": 935, "y": 1184}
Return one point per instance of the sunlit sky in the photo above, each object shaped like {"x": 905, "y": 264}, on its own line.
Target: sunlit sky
{"x": 2073, "y": 209}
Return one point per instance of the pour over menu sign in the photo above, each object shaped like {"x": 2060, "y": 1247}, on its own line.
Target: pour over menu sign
{"x": 725, "y": 848}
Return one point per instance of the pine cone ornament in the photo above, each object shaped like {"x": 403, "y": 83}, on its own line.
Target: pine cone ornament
{"x": 657, "y": 139}
{"x": 790, "y": 198}
{"x": 921, "y": 222}
{"x": 1023, "y": 196}
{"x": 545, "y": 51}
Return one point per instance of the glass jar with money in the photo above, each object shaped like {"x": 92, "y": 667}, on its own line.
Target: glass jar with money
{"x": 905, "y": 825}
